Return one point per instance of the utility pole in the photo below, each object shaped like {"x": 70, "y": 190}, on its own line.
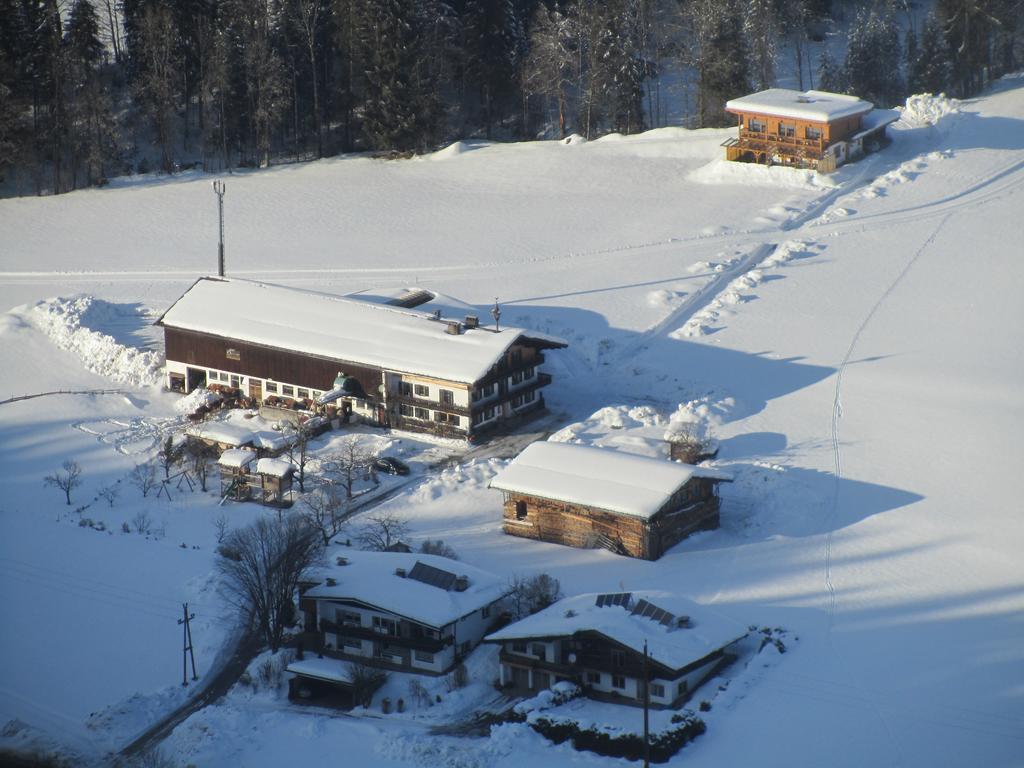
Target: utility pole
{"x": 647, "y": 707}
{"x": 186, "y": 650}
{"x": 218, "y": 187}
{"x": 496, "y": 314}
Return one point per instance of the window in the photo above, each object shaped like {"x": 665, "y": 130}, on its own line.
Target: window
{"x": 812, "y": 133}
{"x": 593, "y": 678}
{"x": 385, "y": 626}
{"x": 520, "y": 510}
{"x": 517, "y": 401}
{"x": 407, "y": 410}
{"x": 756, "y": 125}
{"x": 618, "y": 681}
{"x": 515, "y": 356}
{"x": 446, "y": 418}
{"x": 315, "y": 393}
{"x": 657, "y": 689}
{"x": 529, "y": 396}
{"x": 482, "y": 393}
{"x": 519, "y": 646}
{"x": 787, "y": 129}
{"x": 424, "y": 656}
{"x": 347, "y": 617}
{"x": 351, "y": 642}
{"x": 485, "y": 612}
{"x": 539, "y": 651}
{"x": 271, "y": 387}
{"x": 517, "y": 378}
{"x": 287, "y": 391}
{"x": 302, "y": 394}
{"x": 236, "y": 381}
{"x": 618, "y": 658}
{"x": 233, "y": 354}
{"x": 405, "y": 389}
{"x": 214, "y": 375}
{"x": 447, "y": 396}
{"x": 421, "y": 390}
{"x": 681, "y": 688}
{"x": 422, "y": 413}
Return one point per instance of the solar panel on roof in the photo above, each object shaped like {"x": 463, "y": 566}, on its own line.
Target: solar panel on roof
{"x": 650, "y": 611}
{"x": 616, "y": 598}
{"x": 435, "y": 577}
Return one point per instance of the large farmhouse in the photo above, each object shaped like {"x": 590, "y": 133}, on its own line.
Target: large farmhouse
{"x": 390, "y": 365}
{"x": 597, "y": 642}
{"x": 409, "y": 612}
{"x": 809, "y": 129}
{"x": 594, "y": 497}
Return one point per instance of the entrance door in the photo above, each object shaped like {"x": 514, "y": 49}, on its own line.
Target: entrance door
{"x": 196, "y": 377}
{"x": 541, "y": 680}
{"x": 256, "y": 390}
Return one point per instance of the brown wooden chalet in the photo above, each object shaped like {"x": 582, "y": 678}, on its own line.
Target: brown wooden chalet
{"x": 810, "y": 129}
{"x": 596, "y": 641}
{"x": 593, "y": 497}
{"x": 387, "y": 365}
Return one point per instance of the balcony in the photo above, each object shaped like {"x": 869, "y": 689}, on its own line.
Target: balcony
{"x": 783, "y": 145}
{"x": 422, "y": 402}
{"x": 406, "y": 639}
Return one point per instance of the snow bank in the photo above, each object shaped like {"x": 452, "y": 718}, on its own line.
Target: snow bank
{"x": 61, "y": 320}
{"x": 927, "y": 109}
{"x": 722, "y": 171}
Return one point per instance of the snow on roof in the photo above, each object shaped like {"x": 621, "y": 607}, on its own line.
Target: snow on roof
{"x": 338, "y": 327}
{"x": 274, "y": 467}
{"x": 369, "y": 577}
{"x": 332, "y": 670}
{"x": 875, "y": 119}
{"x": 598, "y": 477}
{"x": 221, "y": 432}
{"x": 236, "y": 457}
{"x": 672, "y": 645}
{"x": 820, "y": 106}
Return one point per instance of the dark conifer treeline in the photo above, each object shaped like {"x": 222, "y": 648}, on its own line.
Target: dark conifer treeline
{"x": 94, "y": 88}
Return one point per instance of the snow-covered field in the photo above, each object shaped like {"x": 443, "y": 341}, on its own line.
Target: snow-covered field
{"x": 852, "y": 341}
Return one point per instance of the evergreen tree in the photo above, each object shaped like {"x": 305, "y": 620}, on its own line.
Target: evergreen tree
{"x": 495, "y": 42}
{"x": 616, "y": 68}
{"x": 761, "y": 28}
{"x": 721, "y": 59}
{"x": 155, "y": 48}
{"x": 928, "y": 70}
{"x": 969, "y": 27}
{"x": 549, "y": 67}
{"x": 873, "y": 57}
{"x": 830, "y": 74}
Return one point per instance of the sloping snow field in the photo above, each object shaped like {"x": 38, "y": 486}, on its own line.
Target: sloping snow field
{"x": 852, "y": 340}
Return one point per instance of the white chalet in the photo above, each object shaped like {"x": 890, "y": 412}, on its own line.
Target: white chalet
{"x": 403, "y": 611}
{"x": 597, "y": 641}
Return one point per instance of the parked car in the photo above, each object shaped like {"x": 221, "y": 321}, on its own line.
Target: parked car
{"x": 391, "y": 465}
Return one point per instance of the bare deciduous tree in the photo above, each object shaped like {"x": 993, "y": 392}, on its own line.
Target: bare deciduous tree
{"x": 324, "y": 511}
{"x": 261, "y": 565}
{"x": 198, "y": 456}
{"x": 533, "y": 593}
{"x": 67, "y": 478}
{"x": 298, "y": 454}
{"x": 365, "y": 681}
{"x": 353, "y": 460}
{"x": 109, "y": 494}
{"x": 169, "y": 455}
{"x": 382, "y": 531}
{"x": 143, "y": 477}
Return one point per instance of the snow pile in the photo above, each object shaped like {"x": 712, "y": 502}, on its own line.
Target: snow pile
{"x": 195, "y": 400}
{"x": 61, "y": 320}
{"x": 927, "y": 109}
{"x": 702, "y": 322}
{"x": 612, "y": 417}
{"x": 787, "y": 251}
{"x": 723, "y": 171}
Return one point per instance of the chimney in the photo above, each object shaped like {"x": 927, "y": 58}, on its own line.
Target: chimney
{"x": 683, "y": 622}
{"x": 400, "y": 573}
{"x": 472, "y": 321}
{"x": 461, "y": 583}
{"x": 332, "y": 582}
{"x": 341, "y": 560}
{"x": 454, "y": 328}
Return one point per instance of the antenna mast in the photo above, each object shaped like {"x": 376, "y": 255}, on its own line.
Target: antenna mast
{"x": 496, "y": 314}
{"x": 218, "y": 187}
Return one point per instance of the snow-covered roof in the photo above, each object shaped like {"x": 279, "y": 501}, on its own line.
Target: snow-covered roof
{"x": 341, "y": 328}
{"x": 369, "y": 577}
{"x": 669, "y": 644}
{"x": 274, "y": 467}
{"x": 598, "y": 477}
{"x": 819, "y": 106}
{"x": 332, "y": 670}
{"x": 235, "y": 434}
{"x": 875, "y": 119}
{"x": 236, "y": 457}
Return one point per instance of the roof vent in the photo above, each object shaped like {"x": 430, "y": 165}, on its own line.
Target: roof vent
{"x": 461, "y": 583}
{"x": 682, "y": 621}
{"x": 472, "y": 321}
{"x": 436, "y": 315}
{"x": 332, "y": 582}
{"x": 341, "y": 560}
{"x": 400, "y": 573}
{"x": 454, "y": 327}
{"x": 803, "y": 100}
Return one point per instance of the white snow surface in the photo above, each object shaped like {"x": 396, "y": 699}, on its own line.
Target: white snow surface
{"x": 274, "y": 467}
{"x": 236, "y": 457}
{"x": 865, "y": 394}
{"x": 673, "y": 646}
{"x": 370, "y": 577}
{"x": 597, "y": 477}
{"x": 333, "y": 326}
{"x": 820, "y": 106}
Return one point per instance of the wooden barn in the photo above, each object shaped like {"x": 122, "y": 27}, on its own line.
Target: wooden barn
{"x": 244, "y": 477}
{"x": 596, "y": 497}
{"x": 809, "y": 129}
{"x": 388, "y": 365}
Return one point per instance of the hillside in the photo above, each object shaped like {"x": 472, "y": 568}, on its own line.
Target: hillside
{"x": 851, "y": 339}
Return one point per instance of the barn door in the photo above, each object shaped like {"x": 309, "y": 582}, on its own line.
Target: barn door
{"x": 256, "y": 390}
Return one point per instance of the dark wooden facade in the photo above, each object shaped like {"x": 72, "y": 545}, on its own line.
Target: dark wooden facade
{"x": 694, "y": 507}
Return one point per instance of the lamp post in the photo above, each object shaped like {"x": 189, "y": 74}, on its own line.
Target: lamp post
{"x": 218, "y": 187}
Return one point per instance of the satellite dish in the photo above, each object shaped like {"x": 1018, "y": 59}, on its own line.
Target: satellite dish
{"x": 572, "y": 658}
{"x": 381, "y": 388}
